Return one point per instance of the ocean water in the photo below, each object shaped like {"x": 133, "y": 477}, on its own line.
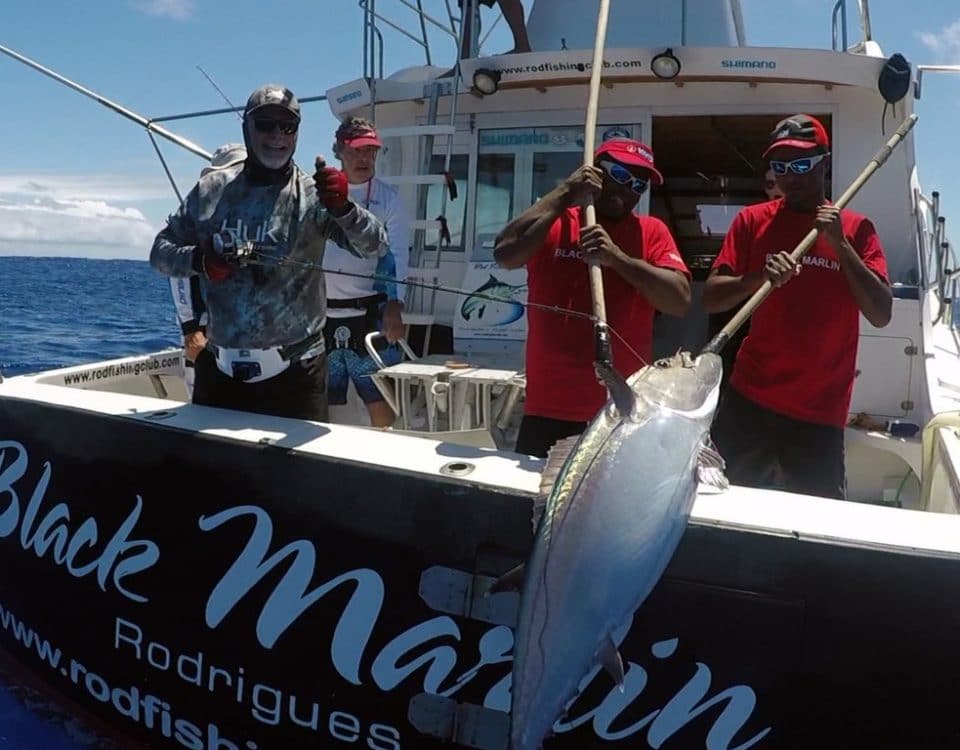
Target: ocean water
{"x": 68, "y": 311}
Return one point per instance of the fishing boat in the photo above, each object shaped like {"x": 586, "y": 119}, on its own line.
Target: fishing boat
{"x": 332, "y": 588}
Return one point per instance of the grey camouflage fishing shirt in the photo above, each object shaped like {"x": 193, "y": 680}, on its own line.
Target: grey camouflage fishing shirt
{"x": 263, "y": 306}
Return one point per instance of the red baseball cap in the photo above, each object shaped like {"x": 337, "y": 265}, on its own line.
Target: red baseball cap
{"x": 362, "y": 139}
{"x": 799, "y": 131}
{"x": 631, "y": 152}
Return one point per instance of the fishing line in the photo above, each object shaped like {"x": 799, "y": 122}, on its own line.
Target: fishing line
{"x": 259, "y": 258}
{"x": 220, "y": 91}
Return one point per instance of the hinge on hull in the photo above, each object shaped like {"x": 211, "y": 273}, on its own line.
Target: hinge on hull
{"x": 911, "y": 351}
{"x": 464, "y": 724}
{"x": 463, "y": 594}
{"x": 906, "y": 405}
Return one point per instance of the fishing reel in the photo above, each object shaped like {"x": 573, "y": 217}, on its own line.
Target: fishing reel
{"x": 241, "y": 253}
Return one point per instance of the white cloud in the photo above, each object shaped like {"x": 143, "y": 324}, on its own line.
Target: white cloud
{"x": 116, "y": 188}
{"x": 69, "y": 215}
{"x": 178, "y": 10}
{"x": 945, "y": 44}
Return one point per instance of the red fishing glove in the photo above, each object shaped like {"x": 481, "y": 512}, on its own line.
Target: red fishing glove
{"x": 215, "y": 267}
{"x": 332, "y": 187}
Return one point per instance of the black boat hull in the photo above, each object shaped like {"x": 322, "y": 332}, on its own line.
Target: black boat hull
{"x": 202, "y": 592}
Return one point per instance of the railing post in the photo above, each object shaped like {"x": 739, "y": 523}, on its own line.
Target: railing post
{"x": 366, "y": 37}
{"x": 841, "y": 8}
{"x": 423, "y": 31}
{"x": 865, "y": 20}
{"x": 372, "y": 80}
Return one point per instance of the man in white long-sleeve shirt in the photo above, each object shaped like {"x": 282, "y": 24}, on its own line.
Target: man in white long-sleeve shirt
{"x": 357, "y": 305}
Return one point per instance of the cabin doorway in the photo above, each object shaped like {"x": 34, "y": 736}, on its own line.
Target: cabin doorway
{"x": 712, "y": 168}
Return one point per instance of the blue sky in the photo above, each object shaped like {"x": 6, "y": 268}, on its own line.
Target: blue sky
{"x": 77, "y": 179}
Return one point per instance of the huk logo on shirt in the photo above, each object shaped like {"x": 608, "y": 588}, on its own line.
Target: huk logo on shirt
{"x": 241, "y": 233}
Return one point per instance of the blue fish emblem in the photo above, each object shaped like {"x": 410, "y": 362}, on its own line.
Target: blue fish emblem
{"x": 495, "y": 303}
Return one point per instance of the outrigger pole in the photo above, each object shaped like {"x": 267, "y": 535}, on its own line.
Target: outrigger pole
{"x": 720, "y": 340}
{"x": 120, "y": 110}
{"x": 602, "y": 352}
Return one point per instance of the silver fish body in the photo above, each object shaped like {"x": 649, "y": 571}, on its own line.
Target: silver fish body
{"x": 613, "y": 519}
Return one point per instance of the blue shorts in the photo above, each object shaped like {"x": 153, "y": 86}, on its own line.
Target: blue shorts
{"x": 346, "y": 366}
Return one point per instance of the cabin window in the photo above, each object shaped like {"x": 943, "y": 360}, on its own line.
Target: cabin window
{"x": 928, "y": 245}
{"x": 715, "y": 219}
{"x": 495, "y": 189}
{"x": 516, "y": 167}
{"x": 550, "y": 168}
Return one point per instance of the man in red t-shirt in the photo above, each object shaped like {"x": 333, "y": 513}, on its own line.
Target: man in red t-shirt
{"x": 793, "y": 377}
{"x": 642, "y": 272}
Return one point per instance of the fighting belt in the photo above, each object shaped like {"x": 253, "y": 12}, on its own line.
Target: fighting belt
{"x": 349, "y": 333}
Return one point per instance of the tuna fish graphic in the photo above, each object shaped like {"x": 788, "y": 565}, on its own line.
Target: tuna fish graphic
{"x": 495, "y": 303}
{"x": 617, "y": 500}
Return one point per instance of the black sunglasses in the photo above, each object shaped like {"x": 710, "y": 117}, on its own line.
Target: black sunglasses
{"x": 267, "y": 124}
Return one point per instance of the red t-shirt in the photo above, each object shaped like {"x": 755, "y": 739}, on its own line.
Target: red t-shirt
{"x": 561, "y": 382}
{"x": 799, "y": 357}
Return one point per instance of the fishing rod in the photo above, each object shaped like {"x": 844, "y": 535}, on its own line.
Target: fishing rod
{"x": 249, "y": 254}
{"x": 720, "y": 340}
{"x": 220, "y": 91}
{"x": 149, "y": 125}
{"x": 119, "y": 109}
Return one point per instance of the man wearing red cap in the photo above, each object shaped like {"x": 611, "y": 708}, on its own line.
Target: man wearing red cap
{"x": 358, "y": 304}
{"x": 642, "y": 273}
{"x": 792, "y": 380}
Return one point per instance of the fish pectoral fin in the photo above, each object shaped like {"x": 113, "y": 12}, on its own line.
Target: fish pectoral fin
{"x": 512, "y": 580}
{"x": 710, "y": 466}
{"x": 623, "y": 397}
{"x": 611, "y": 661}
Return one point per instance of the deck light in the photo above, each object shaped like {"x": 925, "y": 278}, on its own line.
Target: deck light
{"x": 665, "y": 65}
{"x": 487, "y": 81}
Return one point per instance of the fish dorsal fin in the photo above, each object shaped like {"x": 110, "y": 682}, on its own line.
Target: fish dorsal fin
{"x": 556, "y": 458}
{"x": 710, "y": 466}
{"x": 620, "y": 391}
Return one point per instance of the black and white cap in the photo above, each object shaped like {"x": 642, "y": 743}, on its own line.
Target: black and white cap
{"x": 273, "y": 95}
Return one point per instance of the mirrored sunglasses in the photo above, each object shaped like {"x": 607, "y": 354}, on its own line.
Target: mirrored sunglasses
{"x": 620, "y": 174}
{"x": 797, "y": 166}
{"x": 267, "y": 125}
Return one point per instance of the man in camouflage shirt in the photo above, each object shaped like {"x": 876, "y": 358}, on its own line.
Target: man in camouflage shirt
{"x": 265, "y": 349}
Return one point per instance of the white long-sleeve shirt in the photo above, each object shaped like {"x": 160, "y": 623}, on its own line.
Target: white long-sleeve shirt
{"x": 188, "y": 302}
{"x": 383, "y": 201}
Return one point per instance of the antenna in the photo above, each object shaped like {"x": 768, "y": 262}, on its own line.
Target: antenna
{"x": 219, "y": 91}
